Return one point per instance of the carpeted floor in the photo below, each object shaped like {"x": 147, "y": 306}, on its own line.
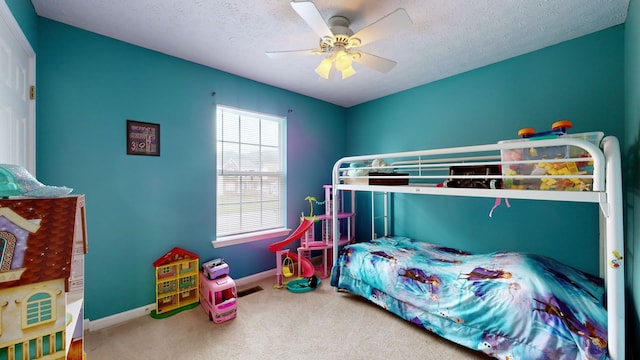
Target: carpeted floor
{"x": 276, "y": 324}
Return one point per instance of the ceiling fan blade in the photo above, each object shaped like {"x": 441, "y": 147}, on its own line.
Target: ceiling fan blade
{"x": 375, "y": 62}
{"x": 286, "y": 54}
{"x": 392, "y": 23}
{"x": 310, "y": 14}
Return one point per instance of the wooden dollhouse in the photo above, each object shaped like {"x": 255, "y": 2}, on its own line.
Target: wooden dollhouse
{"x": 42, "y": 246}
{"x": 346, "y": 217}
{"x": 176, "y": 280}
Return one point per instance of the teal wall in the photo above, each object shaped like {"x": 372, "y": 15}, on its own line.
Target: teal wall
{"x": 139, "y": 207}
{"x": 632, "y": 168}
{"x": 581, "y": 80}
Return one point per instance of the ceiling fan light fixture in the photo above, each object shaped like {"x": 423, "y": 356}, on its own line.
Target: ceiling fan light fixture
{"x": 324, "y": 68}
{"x": 343, "y": 60}
{"x": 338, "y": 41}
{"x": 348, "y": 72}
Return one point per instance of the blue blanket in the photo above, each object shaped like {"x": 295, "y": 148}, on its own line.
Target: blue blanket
{"x": 505, "y": 304}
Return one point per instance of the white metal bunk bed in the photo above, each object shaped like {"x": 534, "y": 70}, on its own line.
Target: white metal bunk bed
{"x": 425, "y": 169}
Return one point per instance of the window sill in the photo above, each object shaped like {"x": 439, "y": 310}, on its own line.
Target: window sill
{"x": 245, "y": 238}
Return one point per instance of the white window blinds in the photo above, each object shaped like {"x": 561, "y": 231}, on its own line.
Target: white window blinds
{"x": 250, "y": 172}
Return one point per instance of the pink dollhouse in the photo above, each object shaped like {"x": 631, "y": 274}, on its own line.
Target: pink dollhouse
{"x": 346, "y": 216}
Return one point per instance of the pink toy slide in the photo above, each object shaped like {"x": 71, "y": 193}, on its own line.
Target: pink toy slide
{"x": 307, "y": 267}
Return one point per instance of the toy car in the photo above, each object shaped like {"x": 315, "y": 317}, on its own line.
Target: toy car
{"x": 215, "y": 268}
{"x": 218, "y": 298}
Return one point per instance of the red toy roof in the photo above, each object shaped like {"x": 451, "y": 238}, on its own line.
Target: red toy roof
{"x": 50, "y": 249}
{"x": 174, "y": 255}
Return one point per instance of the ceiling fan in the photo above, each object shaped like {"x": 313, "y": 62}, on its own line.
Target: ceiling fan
{"x": 338, "y": 42}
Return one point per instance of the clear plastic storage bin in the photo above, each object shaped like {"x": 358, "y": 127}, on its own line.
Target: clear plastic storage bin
{"x": 558, "y": 174}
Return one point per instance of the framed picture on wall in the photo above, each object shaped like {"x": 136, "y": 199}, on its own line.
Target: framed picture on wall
{"x": 143, "y": 138}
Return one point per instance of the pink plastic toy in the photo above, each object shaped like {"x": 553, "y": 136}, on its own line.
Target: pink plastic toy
{"x": 218, "y": 298}
{"x": 215, "y": 268}
{"x": 307, "y": 267}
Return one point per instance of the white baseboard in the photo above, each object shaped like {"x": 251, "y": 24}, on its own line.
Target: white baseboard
{"x": 93, "y": 325}
{"x": 116, "y": 319}
{"x": 255, "y": 278}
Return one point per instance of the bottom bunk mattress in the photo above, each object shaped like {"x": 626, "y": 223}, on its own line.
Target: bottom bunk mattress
{"x": 505, "y": 304}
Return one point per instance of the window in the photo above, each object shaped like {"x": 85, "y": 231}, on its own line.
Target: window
{"x": 166, "y": 287}
{"x": 250, "y": 172}
{"x": 39, "y": 309}
{"x": 187, "y": 282}
{"x": 167, "y": 271}
{"x": 7, "y": 247}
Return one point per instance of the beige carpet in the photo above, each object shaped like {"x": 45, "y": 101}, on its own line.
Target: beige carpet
{"x": 276, "y": 324}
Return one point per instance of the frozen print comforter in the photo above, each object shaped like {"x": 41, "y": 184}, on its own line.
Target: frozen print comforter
{"x": 505, "y": 304}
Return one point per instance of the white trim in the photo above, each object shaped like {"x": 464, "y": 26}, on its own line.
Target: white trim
{"x": 116, "y": 319}
{"x": 245, "y": 238}
{"x": 7, "y": 16}
{"x": 255, "y": 278}
{"x": 15, "y": 28}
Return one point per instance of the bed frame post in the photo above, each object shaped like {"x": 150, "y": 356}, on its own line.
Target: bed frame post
{"x": 614, "y": 250}
{"x": 385, "y": 217}
{"x": 373, "y": 215}
{"x": 334, "y": 213}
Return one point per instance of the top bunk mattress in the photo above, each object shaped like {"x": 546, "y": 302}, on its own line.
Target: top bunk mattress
{"x": 506, "y": 304}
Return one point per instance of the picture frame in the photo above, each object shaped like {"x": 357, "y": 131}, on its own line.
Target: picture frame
{"x": 143, "y": 138}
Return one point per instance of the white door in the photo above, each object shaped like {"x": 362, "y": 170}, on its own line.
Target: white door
{"x": 17, "y": 110}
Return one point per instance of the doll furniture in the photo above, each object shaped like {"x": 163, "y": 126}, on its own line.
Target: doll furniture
{"x": 285, "y": 258}
{"x": 324, "y": 243}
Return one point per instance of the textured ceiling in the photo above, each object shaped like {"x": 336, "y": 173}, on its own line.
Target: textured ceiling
{"x": 447, "y": 37}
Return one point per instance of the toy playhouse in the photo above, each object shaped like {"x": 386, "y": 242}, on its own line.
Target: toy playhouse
{"x": 346, "y": 217}
{"x": 43, "y": 242}
{"x": 176, "y": 281}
